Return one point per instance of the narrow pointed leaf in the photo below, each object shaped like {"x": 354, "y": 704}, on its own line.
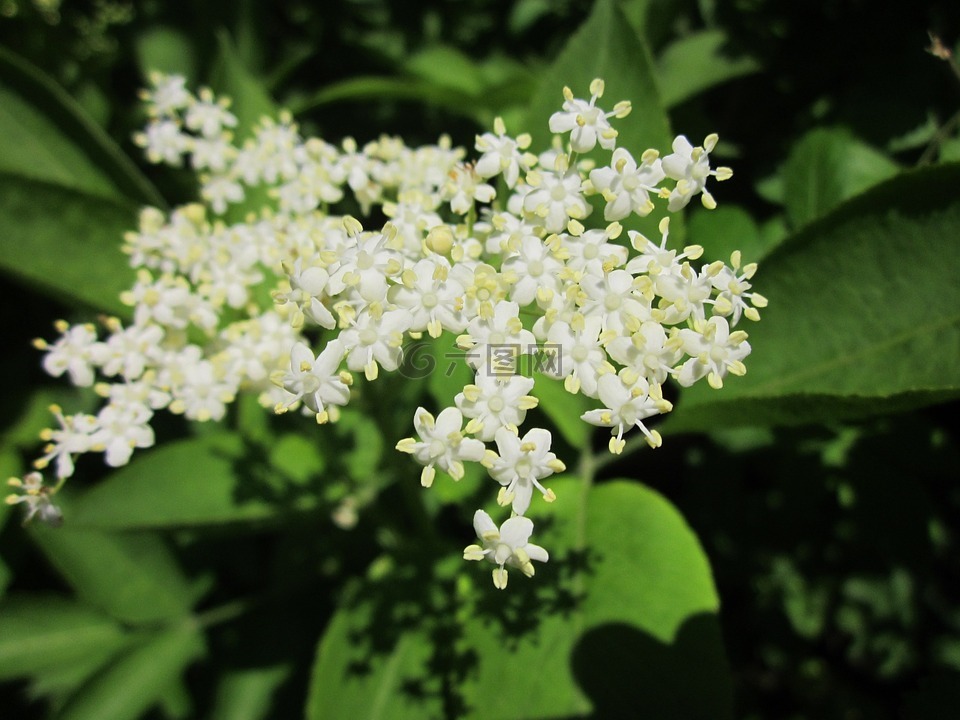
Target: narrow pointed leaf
{"x": 132, "y": 577}
{"x": 136, "y": 681}
{"x": 38, "y": 632}
{"x": 76, "y": 127}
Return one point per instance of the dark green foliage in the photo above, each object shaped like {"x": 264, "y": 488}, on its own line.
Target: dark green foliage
{"x": 797, "y": 559}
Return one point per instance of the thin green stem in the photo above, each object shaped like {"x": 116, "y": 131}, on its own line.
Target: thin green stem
{"x": 632, "y": 445}
{"x": 226, "y": 612}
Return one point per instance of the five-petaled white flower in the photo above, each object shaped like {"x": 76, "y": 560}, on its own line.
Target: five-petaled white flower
{"x": 494, "y": 402}
{"x": 442, "y": 444}
{"x": 507, "y": 546}
{"x": 520, "y": 466}
{"x": 586, "y": 123}
{"x": 690, "y": 167}
{"x": 714, "y": 351}
{"x": 629, "y": 399}
{"x": 626, "y": 186}
{"x": 315, "y": 381}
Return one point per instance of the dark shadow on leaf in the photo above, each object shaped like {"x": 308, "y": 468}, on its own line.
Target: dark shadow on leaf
{"x": 628, "y": 673}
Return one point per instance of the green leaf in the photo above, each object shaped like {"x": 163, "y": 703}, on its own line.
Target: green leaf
{"x": 726, "y": 229}
{"x": 622, "y": 620}
{"x": 38, "y": 632}
{"x": 826, "y": 167}
{"x": 250, "y": 102}
{"x": 446, "y": 67}
{"x": 443, "y": 363}
{"x": 65, "y": 241}
{"x": 199, "y": 481}
{"x": 374, "y": 88}
{"x": 598, "y": 50}
{"x": 138, "y": 680}
{"x": 74, "y": 126}
{"x": 248, "y": 694}
{"x": 697, "y": 62}
{"x": 166, "y": 50}
{"x": 249, "y": 99}
{"x": 132, "y": 577}
{"x": 32, "y": 146}
{"x": 864, "y": 314}
{"x": 5, "y": 574}
{"x": 564, "y": 409}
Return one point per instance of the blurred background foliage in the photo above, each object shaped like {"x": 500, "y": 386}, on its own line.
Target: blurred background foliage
{"x": 829, "y": 515}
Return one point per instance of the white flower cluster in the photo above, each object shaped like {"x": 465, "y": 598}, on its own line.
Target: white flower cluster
{"x": 493, "y": 252}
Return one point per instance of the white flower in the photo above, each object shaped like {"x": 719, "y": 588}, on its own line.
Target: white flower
{"x": 503, "y": 154}
{"x": 714, "y": 352}
{"x": 72, "y": 438}
{"x": 307, "y": 289}
{"x": 612, "y": 297}
{"x": 168, "y": 95}
{"x": 366, "y": 263}
{"x": 316, "y": 381}
{"x": 520, "y": 464}
{"x": 497, "y": 341}
{"x": 590, "y": 251}
{"x": 648, "y": 351}
{"x": 375, "y": 339}
{"x": 733, "y": 292}
{"x": 164, "y": 142}
{"x": 36, "y": 496}
{"x": 128, "y": 351}
{"x": 690, "y": 167}
{"x": 656, "y": 259}
{"x": 507, "y": 546}
{"x": 581, "y": 358}
{"x": 73, "y": 353}
{"x": 209, "y": 116}
{"x": 627, "y": 187}
{"x": 433, "y": 298}
{"x": 464, "y": 187}
{"x": 442, "y": 444}
{"x": 629, "y": 399}
{"x": 586, "y": 123}
{"x": 554, "y": 198}
{"x": 202, "y": 392}
{"x": 494, "y": 402}
{"x": 121, "y": 428}
{"x": 221, "y": 191}
{"x": 534, "y": 271}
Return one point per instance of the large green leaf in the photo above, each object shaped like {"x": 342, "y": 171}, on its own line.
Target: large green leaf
{"x": 200, "y": 481}
{"x": 38, "y": 632}
{"x": 65, "y": 241}
{"x": 620, "y": 623}
{"x": 826, "y": 167}
{"x": 864, "y": 314}
{"x": 132, "y": 577}
{"x": 66, "y": 136}
{"x": 138, "y": 679}
{"x": 605, "y": 46}
{"x": 696, "y": 63}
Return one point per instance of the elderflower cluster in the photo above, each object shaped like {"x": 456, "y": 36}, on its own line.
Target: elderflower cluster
{"x": 495, "y": 254}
